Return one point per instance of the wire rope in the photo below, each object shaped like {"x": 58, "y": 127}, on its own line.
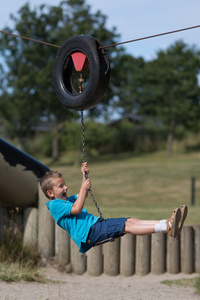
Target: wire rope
{"x": 111, "y": 45}
{"x": 27, "y": 38}
{"x": 151, "y": 36}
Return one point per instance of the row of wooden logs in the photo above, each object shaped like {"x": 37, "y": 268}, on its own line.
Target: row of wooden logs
{"x": 128, "y": 255}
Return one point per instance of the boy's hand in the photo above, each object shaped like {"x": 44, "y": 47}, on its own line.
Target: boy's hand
{"x": 85, "y": 169}
{"x": 87, "y": 184}
{"x": 80, "y": 201}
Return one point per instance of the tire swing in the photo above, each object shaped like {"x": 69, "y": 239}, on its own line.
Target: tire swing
{"x": 77, "y": 55}
{"x": 81, "y": 54}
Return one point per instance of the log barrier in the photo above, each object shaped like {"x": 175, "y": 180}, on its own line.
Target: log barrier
{"x": 129, "y": 255}
{"x": 157, "y": 253}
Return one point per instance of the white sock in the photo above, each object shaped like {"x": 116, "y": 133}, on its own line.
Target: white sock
{"x": 163, "y": 221}
{"x": 161, "y": 227}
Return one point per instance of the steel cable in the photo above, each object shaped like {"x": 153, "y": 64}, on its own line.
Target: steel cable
{"x": 111, "y": 45}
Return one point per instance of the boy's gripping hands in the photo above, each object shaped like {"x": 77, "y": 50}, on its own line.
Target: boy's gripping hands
{"x": 85, "y": 186}
{"x": 86, "y": 181}
{"x": 85, "y": 168}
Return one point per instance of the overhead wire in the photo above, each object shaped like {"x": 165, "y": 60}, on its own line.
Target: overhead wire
{"x": 111, "y": 45}
{"x": 33, "y": 40}
{"x": 151, "y": 36}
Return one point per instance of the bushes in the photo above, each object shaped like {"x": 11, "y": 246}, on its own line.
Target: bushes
{"x": 128, "y": 137}
{"x": 106, "y": 139}
{"x": 101, "y": 138}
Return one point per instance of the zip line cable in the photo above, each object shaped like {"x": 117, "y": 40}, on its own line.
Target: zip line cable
{"x": 26, "y": 38}
{"x": 151, "y": 36}
{"x": 112, "y": 45}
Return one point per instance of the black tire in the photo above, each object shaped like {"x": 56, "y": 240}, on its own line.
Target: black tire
{"x": 99, "y": 73}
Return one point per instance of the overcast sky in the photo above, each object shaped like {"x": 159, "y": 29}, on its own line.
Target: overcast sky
{"x": 134, "y": 19}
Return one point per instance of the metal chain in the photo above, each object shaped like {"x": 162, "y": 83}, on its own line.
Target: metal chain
{"x": 84, "y": 160}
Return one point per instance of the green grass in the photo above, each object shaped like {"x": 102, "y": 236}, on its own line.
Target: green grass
{"x": 191, "y": 282}
{"x": 13, "y": 272}
{"x": 148, "y": 186}
{"x": 18, "y": 262}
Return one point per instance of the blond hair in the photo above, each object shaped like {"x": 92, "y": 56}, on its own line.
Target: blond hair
{"x": 46, "y": 182}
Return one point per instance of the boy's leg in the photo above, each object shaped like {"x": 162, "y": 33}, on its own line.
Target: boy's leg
{"x": 140, "y": 227}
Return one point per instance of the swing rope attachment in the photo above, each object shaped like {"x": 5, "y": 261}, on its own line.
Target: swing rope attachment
{"x": 84, "y": 160}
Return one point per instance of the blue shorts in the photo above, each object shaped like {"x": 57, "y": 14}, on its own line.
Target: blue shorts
{"x": 105, "y": 229}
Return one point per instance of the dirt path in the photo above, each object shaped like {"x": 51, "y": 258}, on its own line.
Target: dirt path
{"x": 74, "y": 287}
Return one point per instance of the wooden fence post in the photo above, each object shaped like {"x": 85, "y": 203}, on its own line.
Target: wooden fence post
{"x": 16, "y": 222}
{"x": 197, "y": 248}
{"x": 46, "y": 228}
{"x": 158, "y": 253}
{"x": 142, "y": 264}
{"x": 3, "y": 222}
{"x": 30, "y": 222}
{"x": 173, "y": 254}
{"x": 127, "y": 255}
{"x": 111, "y": 257}
{"x": 78, "y": 260}
{"x": 62, "y": 246}
{"x": 187, "y": 250}
{"x": 95, "y": 261}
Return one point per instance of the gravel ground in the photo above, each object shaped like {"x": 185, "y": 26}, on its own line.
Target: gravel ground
{"x": 71, "y": 286}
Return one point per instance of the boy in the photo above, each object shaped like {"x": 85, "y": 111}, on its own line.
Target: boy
{"x": 87, "y": 230}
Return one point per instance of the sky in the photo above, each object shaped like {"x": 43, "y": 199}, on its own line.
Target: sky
{"x": 134, "y": 19}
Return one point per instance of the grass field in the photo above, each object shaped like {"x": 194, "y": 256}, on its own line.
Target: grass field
{"x": 148, "y": 186}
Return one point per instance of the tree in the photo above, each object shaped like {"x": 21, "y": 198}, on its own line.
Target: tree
{"x": 27, "y": 94}
{"x": 170, "y": 89}
{"x": 128, "y": 83}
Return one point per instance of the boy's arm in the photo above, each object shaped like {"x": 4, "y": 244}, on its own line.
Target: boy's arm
{"x": 85, "y": 186}
{"x": 85, "y": 171}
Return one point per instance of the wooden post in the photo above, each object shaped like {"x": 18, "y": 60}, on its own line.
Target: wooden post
{"x": 158, "y": 261}
{"x": 111, "y": 257}
{"x": 187, "y": 250}
{"x": 173, "y": 254}
{"x": 127, "y": 255}
{"x": 3, "y": 222}
{"x": 142, "y": 254}
{"x": 95, "y": 261}
{"x": 30, "y": 222}
{"x": 62, "y": 246}
{"x": 16, "y": 222}
{"x": 78, "y": 260}
{"x": 197, "y": 248}
{"x": 192, "y": 190}
{"x": 46, "y": 228}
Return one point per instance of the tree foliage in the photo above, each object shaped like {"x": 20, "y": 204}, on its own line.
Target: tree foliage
{"x": 165, "y": 88}
{"x": 28, "y": 94}
{"x": 170, "y": 90}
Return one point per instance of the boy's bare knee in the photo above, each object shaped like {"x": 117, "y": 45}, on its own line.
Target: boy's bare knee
{"x": 132, "y": 220}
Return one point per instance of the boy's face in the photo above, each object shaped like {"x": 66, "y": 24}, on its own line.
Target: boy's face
{"x": 59, "y": 190}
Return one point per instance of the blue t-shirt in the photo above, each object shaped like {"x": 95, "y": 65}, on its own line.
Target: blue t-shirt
{"x": 77, "y": 226}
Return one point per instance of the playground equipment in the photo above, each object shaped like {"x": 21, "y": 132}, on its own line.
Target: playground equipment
{"x": 19, "y": 175}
